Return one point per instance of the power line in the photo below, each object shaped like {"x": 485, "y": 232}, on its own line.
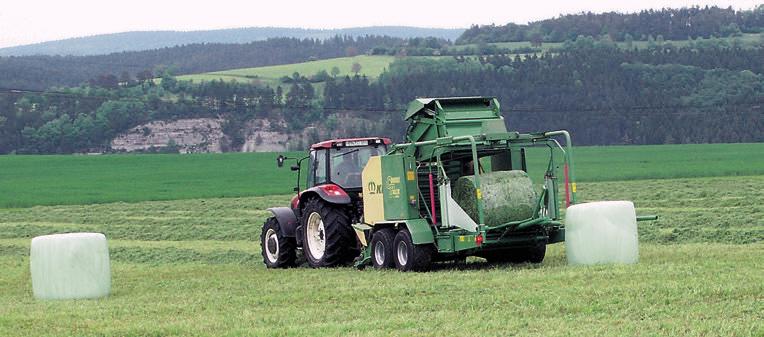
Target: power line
{"x": 616, "y": 111}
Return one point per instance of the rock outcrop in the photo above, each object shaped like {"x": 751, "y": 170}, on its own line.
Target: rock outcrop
{"x": 189, "y": 135}
{"x": 197, "y": 135}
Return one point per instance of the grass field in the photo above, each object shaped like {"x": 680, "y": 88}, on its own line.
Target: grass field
{"x": 53, "y": 180}
{"x": 371, "y": 66}
{"x": 192, "y": 267}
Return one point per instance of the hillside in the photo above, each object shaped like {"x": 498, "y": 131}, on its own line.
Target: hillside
{"x": 699, "y": 93}
{"x": 669, "y": 23}
{"x": 43, "y": 72}
{"x": 283, "y": 93}
{"x": 372, "y": 66}
{"x": 146, "y": 40}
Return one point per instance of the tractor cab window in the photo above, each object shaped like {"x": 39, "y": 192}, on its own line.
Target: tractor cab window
{"x": 348, "y": 163}
{"x": 317, "y": 173}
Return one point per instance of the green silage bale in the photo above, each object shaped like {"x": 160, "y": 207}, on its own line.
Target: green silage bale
{"x": 507, "y": 196}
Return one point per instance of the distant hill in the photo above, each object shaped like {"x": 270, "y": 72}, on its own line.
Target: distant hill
{"x": 669, "y": 23}
{"x": 43, "y": 71}
{"x": 136, "y": 41}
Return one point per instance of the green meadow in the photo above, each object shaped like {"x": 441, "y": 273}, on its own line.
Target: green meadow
{"x": 183, "y": 234}
{"x": 193, "y": 268}
{"x": 61, "y": 180}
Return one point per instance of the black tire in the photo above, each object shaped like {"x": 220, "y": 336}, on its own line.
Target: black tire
{"x": 278, "y": 251}
{"x": 408, "y": 256}
{"x": 382, "y": 248}
{"x": 504, "y": 256}
{"x": 535, "y": 254}
{"x": 337, "y": 236}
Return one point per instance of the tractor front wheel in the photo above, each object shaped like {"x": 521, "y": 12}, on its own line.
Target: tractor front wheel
{"x": 278, "y": 251}
{"x": 408, "y": 256}
{"x": 328, "y": 239}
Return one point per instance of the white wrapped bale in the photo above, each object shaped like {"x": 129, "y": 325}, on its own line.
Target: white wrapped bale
{"x": 601, "y": 232}
{"x": 70, "y": 266}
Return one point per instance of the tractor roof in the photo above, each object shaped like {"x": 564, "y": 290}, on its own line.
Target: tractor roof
{"x": 327, "y": 144}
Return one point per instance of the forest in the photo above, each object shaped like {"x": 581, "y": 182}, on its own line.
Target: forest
{"x": 672, "y": 24}
{"x": 603, "y": 94}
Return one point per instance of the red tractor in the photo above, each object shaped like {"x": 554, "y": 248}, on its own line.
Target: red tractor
{"x": 319, "y": 218}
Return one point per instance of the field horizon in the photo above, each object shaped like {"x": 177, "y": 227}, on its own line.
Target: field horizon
{"x": 32, "y": 180}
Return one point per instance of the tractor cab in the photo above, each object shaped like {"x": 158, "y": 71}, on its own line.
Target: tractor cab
{"x": 319, "y": 218}
{"x": 332, "y": 169}
{"x": 341, "y": 161}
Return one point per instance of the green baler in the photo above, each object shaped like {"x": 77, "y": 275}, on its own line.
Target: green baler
{"x": 423, "y": 200}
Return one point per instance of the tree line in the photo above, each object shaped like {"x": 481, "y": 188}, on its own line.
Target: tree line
{"x": 605, "y": 95}
{"x": 672, "y": 24}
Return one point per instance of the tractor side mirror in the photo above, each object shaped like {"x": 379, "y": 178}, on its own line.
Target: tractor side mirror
{"x": 295, "y": 167}
{"x": 280, "y": 160}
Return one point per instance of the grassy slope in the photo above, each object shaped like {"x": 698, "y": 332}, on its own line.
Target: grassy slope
{"x": 50, "y": 180}
{"x": 192, "y": 267}
{"x": 371, "y": 66}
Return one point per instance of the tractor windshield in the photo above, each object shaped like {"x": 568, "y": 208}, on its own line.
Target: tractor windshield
{"x": 348, "y": 162}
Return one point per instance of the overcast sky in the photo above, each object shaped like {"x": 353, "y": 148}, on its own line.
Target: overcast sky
{"x": 30, "y": 21}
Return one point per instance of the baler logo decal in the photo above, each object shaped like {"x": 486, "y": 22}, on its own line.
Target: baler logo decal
{"x": 394, "y": 186}
{"x": 374, "y": 188}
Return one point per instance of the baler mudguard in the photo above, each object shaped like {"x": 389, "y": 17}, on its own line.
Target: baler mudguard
{"x": 420, "y": 230}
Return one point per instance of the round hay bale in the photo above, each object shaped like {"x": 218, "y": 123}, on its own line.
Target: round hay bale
{"x": 70, "y": 266}
{"x": 601, "y": 232}
{"x": 507, "y": 196}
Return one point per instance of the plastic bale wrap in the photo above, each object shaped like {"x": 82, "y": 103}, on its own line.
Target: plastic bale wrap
{"x": 601, "y": 232}
{"x": 507, "y": 196}
{"x": 70, "y": 266}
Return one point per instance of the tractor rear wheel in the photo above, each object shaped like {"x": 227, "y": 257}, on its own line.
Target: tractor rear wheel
{"x": 382, "y": 248}
{"x": 278, "y": 251}
{"x": 328, "y": 239}
{"x": 408, "y": 256}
